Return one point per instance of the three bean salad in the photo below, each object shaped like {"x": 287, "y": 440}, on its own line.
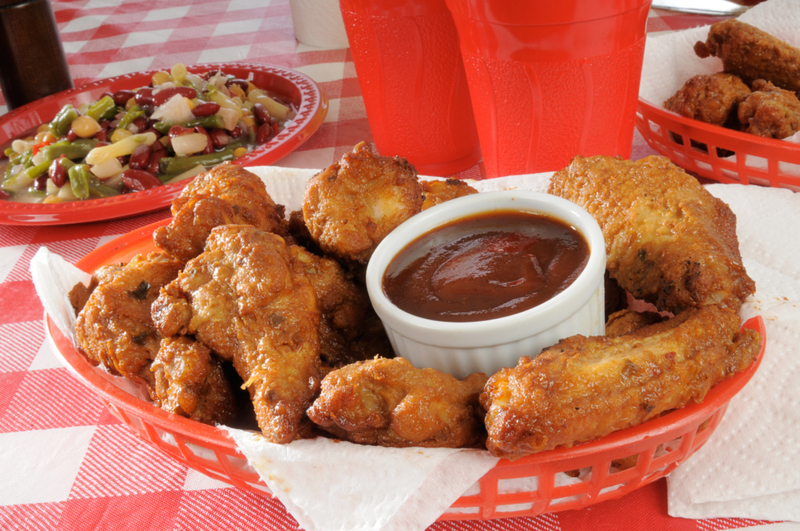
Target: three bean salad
{"x": 132, "y": 140}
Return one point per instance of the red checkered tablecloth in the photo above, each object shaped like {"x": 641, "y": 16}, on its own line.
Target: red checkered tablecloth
{"x": 65, "y": 462}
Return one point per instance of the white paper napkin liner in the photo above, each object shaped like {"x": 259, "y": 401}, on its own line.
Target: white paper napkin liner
{"x": 374, "y": 488}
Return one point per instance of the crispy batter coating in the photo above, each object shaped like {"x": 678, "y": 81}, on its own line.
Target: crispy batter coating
{"x": 242, "y": 299}
{"x": 114, "y": 328}
{"x": 349, "y": 330}
{"x": 392, "y": 403}
{"x": 352, "y": 205}
{"x": 190, "y": 381}
{"x": 752, "y": 54}
{"x": 583, "y": 388}
{"x": 770, "y": 111}
{"x": 713, "y": 99}
{"x": 225, "y": 195}
{"x": 668, "y": 240}
{"x": 627, "y": 321}
{"x": 437, "y": 192}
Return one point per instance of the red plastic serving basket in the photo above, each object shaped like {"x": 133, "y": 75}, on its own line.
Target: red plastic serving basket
{"x": 529, "y": 486}
{"x": 717, "y": 153}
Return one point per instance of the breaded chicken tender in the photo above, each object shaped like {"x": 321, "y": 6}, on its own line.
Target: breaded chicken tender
{"x": 752, "y": 54}
{"x": 770, "y": 112}
{"x": 190, "y": 381}
{"x": 713, "y": 99}
{"x": 242, "y": 299}
{"x": 352, "y": 205}
{"x": 668, "y": 240}
{"x": 114, "y": 328}
{"x": 225, "y": 195}
{"x": 349, "y": 330}
{"x": 583, "y": 388}
{"x": 437, "y": 192}
{"x": 392, "y": 403}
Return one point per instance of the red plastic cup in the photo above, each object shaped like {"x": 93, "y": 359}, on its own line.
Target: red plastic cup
{"x": 551, "y": 80}
{"x": 407, "y": 58}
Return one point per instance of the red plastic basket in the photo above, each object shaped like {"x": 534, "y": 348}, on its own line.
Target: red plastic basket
{"x": 529, "y": 486}
{"x": 717, "y": 153}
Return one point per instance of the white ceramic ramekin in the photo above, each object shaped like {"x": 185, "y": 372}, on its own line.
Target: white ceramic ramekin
{"x": 487, "y": 346}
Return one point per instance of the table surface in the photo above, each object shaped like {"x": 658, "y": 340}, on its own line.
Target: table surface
{"x": 66, "y": 462}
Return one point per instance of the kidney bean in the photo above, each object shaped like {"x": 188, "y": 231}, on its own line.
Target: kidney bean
{"x": 4, "y": 195}
{"x": 161, "y": 97}
{"x": 140, "y": 158}
{"x": 105, "y": 124}
{"x": 40, "y": 183}
{"x": 123, "y": 159}
{"x": 219, "y": 138}
{"x": 238, "y": 131}
{"x": 264, "y": 133}
{"x": 178, "y": 130}
{"x": 101, "y": 135}
{"x": 261, "y": 113}
{"x": 138, "y": 180}
{"x": 241, "y": 82}
{"x": 140, "y": 123}
{"x": 206, "y": 108}
{"x": 71, "y": 136}
{"x": 144, "y": 96}
{"x": 121, "y": 97}
{"x": 154, "y": 167}
{"x": 57, "y": 173}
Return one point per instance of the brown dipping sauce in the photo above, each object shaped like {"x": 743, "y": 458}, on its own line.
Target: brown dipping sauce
{"x": 486, "y": 266}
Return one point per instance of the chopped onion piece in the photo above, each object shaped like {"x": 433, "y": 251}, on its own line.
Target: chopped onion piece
{"x": 107, "y": 168}
{"x": 189, "y": 144}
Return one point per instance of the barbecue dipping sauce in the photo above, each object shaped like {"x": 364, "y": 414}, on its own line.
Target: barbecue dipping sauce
{"x": 486, "y": 266}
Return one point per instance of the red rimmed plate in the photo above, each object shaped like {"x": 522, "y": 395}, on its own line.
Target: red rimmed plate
{"x": 297, "y": 88}
{"x": 529, "y": 486}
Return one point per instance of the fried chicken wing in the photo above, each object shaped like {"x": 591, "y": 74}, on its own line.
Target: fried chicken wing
{"x": 225, "y": 195}
{"x": 583, "y": 388}
{"x": 713, "y": 99}
{"x": 243, "y": 300}
{"x": 190, "y": 381}
{"x": 752, "y": 54}
{"x": 668, "y": 240}
{"x": 114, "y": 328}
{"x": 770, "y": 112}
{"x": 392, "y": 403}
{"x": 628, "y": 321}
{"x": 350, "y": 330}
{"x": 352, "y": 205}
{"x": 437, "y": 192}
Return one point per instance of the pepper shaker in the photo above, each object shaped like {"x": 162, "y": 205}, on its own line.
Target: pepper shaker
{"x": 32, "y": 60}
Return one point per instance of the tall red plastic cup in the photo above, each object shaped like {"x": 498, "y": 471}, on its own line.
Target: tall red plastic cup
{"x": 407, "y": 58}
{"x": 551, "y": 80}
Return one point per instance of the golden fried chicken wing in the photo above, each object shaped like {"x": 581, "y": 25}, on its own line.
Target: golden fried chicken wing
{"x": 437, "y": 192}
{"x": 190, "y": 381}
{"x": 583, "y": 388}
{"x": 352, "y": 205}
{"x": 713, "y": 99}
{"x": 114, "y": 328}
{"x": 243, "y": 300}
{"x": 350, "y": 330}
{"x": 770, "y": 112}
{"x": 389, "y": 402}
{"x": 752, "y": 54}
{"x": 225, "y": 195}
{"x": 668, "y": 240}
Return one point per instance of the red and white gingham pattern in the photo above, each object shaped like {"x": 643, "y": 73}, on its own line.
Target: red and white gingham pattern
{"x": 65, "y": 462}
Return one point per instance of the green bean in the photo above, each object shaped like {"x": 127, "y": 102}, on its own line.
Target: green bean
{"x": 103, "y": 109}
{"x": 72, "y": 150}
{"x": 60, "y": 124}
{"x": 35, "y": 171}
{"x": 9, "y": 152}
{"x": 175, "y": 165}
{"x": 79, "y": 178}
{"x": 213, "y": 121}
{"x": 134, "y": 112}
{"x": 98, "y": 189}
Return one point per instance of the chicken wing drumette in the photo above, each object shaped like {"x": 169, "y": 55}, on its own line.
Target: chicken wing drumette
{"x": 114, "y": 327}
{"x": 224, "y": 195}
{"x": 352, "y": 205}
{"x": 392, "y": 403}
{"x": 243, "y": 300}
